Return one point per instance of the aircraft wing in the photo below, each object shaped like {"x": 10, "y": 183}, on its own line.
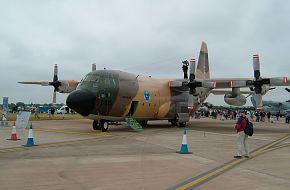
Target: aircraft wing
{"x": 249, "y": 82}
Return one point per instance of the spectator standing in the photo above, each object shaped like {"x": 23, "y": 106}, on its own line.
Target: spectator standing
{"x": 242, "y": 138}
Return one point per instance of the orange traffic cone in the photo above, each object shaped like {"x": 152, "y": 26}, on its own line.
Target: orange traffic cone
{"x": 13, "y": 133}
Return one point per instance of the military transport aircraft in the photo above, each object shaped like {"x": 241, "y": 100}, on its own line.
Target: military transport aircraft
{"x": 113, "y": 95}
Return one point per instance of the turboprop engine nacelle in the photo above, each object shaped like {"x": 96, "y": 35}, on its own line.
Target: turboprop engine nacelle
{"x": 67, "y": 86}
{"x": 238, "y": 100}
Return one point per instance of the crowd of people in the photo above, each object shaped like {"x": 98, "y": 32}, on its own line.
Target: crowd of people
{"x": 243, "y": 118}
{"x": 225, "y": 114}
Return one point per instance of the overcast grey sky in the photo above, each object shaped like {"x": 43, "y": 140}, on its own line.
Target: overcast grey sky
{"x": 146, "y": 37}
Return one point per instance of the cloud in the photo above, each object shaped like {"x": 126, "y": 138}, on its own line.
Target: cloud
{"x": 143, "y": 37}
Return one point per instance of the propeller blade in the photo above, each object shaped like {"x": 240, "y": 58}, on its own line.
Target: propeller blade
{"x": 54, "y": 97}
{"x": 55, "y": 83}
{"x": 253, "y": 101}
{"x": 191, "y": 74}
{"x": 192, "y": 70}
{"x": 42, "y": 83}
{"x": 256, "y": 66}
{"x": 258, "y": 101}
{"x": 273, "y": 88}
{"x": 55, "y": 73}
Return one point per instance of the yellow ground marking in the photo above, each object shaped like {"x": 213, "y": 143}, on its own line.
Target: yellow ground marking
{"x": 102, "y": 134}
{"x": 48, "y": 145}
{"x": 277, "y": 147}
{"x": 231, "y": 164}
{"x": 265, "y": 148}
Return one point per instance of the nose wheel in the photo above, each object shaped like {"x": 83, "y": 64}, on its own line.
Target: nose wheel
{"x": 104, "y": 125}
{"x": 96, "y": 125}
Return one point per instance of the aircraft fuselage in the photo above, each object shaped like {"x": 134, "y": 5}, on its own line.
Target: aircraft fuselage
{"x": 112, "y": 95}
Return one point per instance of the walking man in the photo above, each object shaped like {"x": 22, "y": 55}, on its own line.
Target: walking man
{"x": 242, "y": 138}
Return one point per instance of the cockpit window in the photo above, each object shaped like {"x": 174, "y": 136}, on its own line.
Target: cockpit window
{"x": 91, "y": 77}
{"x": 99, "y": 80}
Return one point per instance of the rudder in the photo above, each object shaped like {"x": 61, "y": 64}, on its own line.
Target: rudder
{"x": 202, "y": 69}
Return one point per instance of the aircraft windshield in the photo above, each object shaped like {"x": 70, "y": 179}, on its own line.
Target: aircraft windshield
{"x": 91, "y": 77}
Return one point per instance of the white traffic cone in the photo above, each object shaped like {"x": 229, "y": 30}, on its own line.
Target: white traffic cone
{"x": 30, "y": 141}
{"x": 183, "y": 148}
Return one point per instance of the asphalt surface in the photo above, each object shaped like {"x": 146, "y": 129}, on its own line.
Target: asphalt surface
{"x": 70, "y": 155}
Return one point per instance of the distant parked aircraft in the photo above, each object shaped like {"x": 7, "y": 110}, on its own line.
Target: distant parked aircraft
{"x": 277, "y": 107}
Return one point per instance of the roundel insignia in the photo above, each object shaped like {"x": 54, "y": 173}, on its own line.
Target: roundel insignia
{"x": 146, "y": 95}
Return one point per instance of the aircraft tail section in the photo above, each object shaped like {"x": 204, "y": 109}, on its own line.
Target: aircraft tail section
{"x": 202, "y": 69}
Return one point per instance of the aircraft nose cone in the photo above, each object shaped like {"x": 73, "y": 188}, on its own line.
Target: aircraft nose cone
{"x": 81, "y": 101}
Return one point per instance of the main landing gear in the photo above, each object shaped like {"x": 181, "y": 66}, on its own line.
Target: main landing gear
{"x": 102, "y": 125}
{"x": 174, "y": 122}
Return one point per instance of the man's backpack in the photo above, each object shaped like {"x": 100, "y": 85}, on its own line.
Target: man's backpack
{"x": 249, "y": 130}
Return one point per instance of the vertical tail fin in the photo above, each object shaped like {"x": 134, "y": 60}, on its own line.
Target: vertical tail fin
{"x": 202, "y": 69}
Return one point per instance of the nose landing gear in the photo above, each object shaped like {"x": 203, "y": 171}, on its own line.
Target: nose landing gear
{"x": 102, "y": 125}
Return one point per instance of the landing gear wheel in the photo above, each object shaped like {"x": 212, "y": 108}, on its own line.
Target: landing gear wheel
{"x": 183, "y": 124}
{"x": 104, "y": 125}
{"x": 96, "y": 125}
{"x": 173, "y": 122}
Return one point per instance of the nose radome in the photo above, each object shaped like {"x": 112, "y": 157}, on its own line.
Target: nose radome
{"x": 81, "y": 101}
